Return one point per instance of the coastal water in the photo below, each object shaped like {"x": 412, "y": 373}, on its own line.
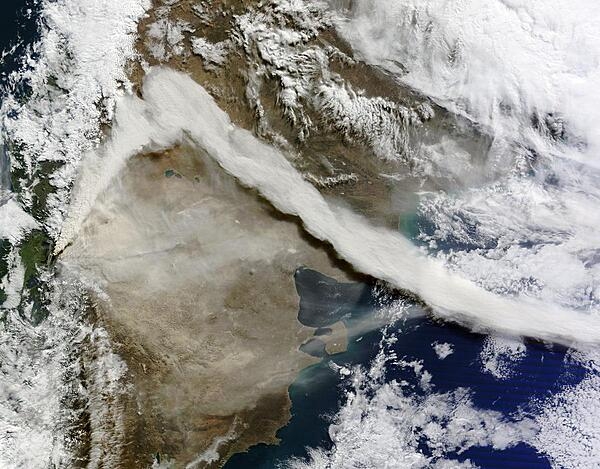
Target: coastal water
{"x": 318, "y": 391}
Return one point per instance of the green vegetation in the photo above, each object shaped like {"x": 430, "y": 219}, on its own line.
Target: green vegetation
{"x": 4, "y": 251}
{"x": 42, "y": 188}
{"x": 35, "y": 248}
{"x": 17, "y": 174}
{"x": 35, "y": 253}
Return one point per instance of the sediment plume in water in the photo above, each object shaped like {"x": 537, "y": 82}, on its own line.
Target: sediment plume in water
{"x": 174, "y": 107}
{"x": 193, "y": 276}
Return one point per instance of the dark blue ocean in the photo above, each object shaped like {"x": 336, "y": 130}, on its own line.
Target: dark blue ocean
{"x": 318, "y": 391}
{"x": 17, "y": 30}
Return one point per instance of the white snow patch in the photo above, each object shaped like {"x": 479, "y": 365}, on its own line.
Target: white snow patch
{"x": 175, "y": 106}
{"x": 12, "y": 283}
{"x": 165, "y": 38}
{"x": 277, "y": 43}
{"x": 279, "y": 37}
{"x": 211, "y": 454}
{"x": 213, "y": 54}
{"x": 39, "y": 376}
{"x": 526, "y": 70}
{"x": 331, "y": 181}
{"x": 500, "y": 61}
{"x": 380, "y": 122}
{"x": 106, "y": 381}
{"x": 74, "y": 71}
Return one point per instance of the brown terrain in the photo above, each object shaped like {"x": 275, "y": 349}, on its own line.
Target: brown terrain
{"x": 196, "y": 274}
{"x": 197, "y": 279}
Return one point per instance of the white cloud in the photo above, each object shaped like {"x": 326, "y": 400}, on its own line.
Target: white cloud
{"x": 526, "y": 72}
{"x": 382, "y": 424}
{"x": 500, "y": 355}
{"x": 14, "y": 221}
{"x": 570, "y": 420}
{"x": 443, "y": 349}
{"x": 75, "y": 71}
{"x": 175, "y": 106}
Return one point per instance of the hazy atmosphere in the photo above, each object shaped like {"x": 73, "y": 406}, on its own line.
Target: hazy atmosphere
{"x": 299, "y": 234}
